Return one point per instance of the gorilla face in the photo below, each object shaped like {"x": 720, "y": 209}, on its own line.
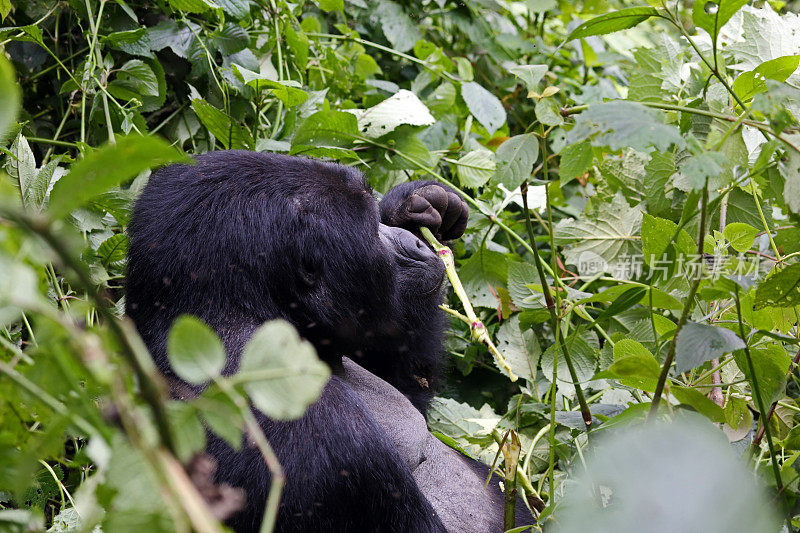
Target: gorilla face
{"x": 420, "y": 271}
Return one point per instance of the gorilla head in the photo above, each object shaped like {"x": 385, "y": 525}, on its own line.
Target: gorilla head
{"x": 243, "y": 237}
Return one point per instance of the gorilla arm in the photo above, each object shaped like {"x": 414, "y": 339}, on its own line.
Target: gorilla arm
{"x": 451, "y": 482}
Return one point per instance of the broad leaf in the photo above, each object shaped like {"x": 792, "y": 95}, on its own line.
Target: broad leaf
{"x": 232, "y": 134}
{"x": 606, "y": 242}
{"x": 781, "y": 289}
{"x": 575, "y": 159}
{"x": 476, "y": 168}
{"x": 620, "y": 124}
{"x": 515, "y": 159}
{"x": 741, "y": 236}
{"x": 529, "y": 74}
{"x": 107, "y": 167}
{"x": 713, "y": 14}
{"x": 397, "y": 26}
{"x": 281, "y": 372}
{"x": 484, "y": 106}
{"x": 519, "y": 348}
{"x": 113, "y": 250}
{"x": 195, "y": 352}
{"x": 404, "y": 107}
{"x": 698, "y": 343}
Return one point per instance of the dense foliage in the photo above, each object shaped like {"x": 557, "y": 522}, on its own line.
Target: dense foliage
{"x": 634, "y": 180}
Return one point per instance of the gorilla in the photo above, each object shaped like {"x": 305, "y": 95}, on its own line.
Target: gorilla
{"x": 241, "y": 238}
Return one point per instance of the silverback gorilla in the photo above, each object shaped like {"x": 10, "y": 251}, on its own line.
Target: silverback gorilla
{"x": 241, "y": 238}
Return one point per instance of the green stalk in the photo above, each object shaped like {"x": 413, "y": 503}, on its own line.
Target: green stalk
{"x": 476, "y": 326}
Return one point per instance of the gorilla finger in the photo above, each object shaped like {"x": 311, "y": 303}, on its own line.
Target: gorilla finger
{"x": 433, "y": 194}
{"x": 456, "y": 218}
{"x": 429, "y": 218}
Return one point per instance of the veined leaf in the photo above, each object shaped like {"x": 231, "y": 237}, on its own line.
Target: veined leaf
{"x": 484, "y": 106}
{"x": 698, "y": 343}
{"x": 713, "y": 14}
{"x": 231, "y": 134}
{"x": 621, "y": 19}
{"x": 781, "y": 289}
{"x": 515, "y": 159}
{"x": 476, "y": 168}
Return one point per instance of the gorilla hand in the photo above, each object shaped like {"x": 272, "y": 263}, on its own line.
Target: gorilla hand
{"x": 416, "y": 204}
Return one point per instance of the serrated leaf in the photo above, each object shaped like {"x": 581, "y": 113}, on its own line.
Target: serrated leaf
{"x": 621, "y": 124}
{"x": 21, "y": 167}
{"x": 713, "y": 14}
{"x": 621, "y": 19}
{"x": 515, "y": 159}
{"x": 230, "y": 39}
{"x": 135, "y": 79}
{"x": 476, "y": 168}
{"x": 113, "y": 250}
{"x": 107, "y": 167}
{"x": 658, "y": 234}
{"x": 781, "y": 289}
{"x": 459, "y": 420}
{"x": 698, "y": 343}
{"x": 484, "y": 106}
{"x": 232, "y": 134}
{"x": 281, "y": 372}
{"x": 612, "y": 236}
{"x": 740, "y": 235}
{"x": 403, "y": 107}
{"x": 195, "y": 352}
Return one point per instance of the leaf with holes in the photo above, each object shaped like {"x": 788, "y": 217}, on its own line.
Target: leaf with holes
{"x": 713, "y": 14}
{"x": 781, "y": 289}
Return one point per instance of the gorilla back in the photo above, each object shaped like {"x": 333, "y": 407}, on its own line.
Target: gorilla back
{"x": 241, "y": 238}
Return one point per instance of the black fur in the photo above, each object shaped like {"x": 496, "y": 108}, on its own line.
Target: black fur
{"x": 243, "y": 237}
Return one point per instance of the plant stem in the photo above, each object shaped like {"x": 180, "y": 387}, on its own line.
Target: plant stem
{"x": 687, "y": 309}
{"x": 478, "y": 329}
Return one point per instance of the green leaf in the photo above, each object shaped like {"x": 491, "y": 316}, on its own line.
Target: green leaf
{"x": 397, "y": 26}
{"x": 712, "y": 15}
{"x": 633, "y": 366}
{"x": 21, "y": 167}
{"x": 771, "y": 364}
{"x": 331, "y": 5}
{"x": 515, "y": 159}
{"x": 135, "y": 79}
{"x": 750, "y": 83}
{"x": 484, "y": 106}
{"x": 235, "y": 8}
{"x": 658, "y": 234}
{"x": 548, "y": 112}
{"x": 519, "y": 348}
{"x": 230, "y": 39}
{"x": 476, "y": 168}
{"x": 701, "y": 167}
{"x": 186, "y": 429}
{"x": 621, "y": 124}
{"x": 221, "y": 415}
{"x": 281, "y": 372}
{"x": 326, "y": 129}
{"x": 781, "y": 289}
{"x": 113, "y": 250}
{"x": 403, "y": 107}
{"x": 9, "y": 96}
{"x": 529, "y": 74}
{"x": 606, "y": 242}
{"x": 232, "y": 134}
{"x": 700, "y": 403}
{"x": 698, "y": 343}
{"x": 574, "y": 159}
{"x": 192, "y": 6}
{"x": 621, "y": 19}
{"x": 741, "y": 236}
{"x": 107, "y": 167}
{"x": 195, "y": 351}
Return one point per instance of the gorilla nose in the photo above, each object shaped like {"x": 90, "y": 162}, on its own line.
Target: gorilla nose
{"x": 406, "y": 243}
